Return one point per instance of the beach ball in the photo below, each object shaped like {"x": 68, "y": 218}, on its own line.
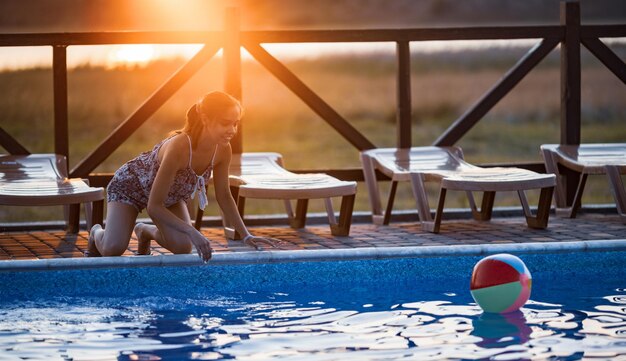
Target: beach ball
{"x": 500, "y": 283}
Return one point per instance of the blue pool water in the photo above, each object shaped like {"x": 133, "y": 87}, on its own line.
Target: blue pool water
{"x": 396, "y": 309}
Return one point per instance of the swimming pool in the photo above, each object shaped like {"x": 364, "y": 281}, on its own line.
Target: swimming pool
{"x": 388, "y": 309}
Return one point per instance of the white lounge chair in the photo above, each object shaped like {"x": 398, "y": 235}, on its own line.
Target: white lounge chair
{"x": 262, "y": 176}
{"x": 587, "y": 159}
{"x": 446, "y": 166}
{"x": 41, "y": 180}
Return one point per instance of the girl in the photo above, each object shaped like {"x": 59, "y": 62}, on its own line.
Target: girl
{"x": 162, "y": 180}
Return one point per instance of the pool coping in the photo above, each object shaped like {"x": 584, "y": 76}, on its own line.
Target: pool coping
{"x": 318, "y": 255}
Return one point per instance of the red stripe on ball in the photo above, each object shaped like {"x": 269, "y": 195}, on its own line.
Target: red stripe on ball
{"x": 492, "y": 272}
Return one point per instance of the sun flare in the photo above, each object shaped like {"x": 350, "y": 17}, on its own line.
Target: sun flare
{"x": 139, "y": 54}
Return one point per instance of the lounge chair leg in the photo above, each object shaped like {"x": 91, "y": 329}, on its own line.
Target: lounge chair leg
{"x": 421, "y": 198}
{"x": 563, "y": 208}
{"x": 573, "y": 209}
{"x": 73, "y": 218}
{"x": 435, "y": 225}
{"x": 617, "y": 189}
{"x": 230, "y": 233}
{"x": 88, "y": 215}
{"x": 552, "y": 166}
{"x": 299, "y": 219}
{"x": 234, "y": 191}
{"x": 392, "y": 197}
{"x": 240, "y": 201}
{"x": 345, "y": 217}
{"x": 564, "y": 180}
{"x": 421, "y": 203}
{"x": 241, "y": 205}
{"x": 540, "y": 221}
{"x": 288, "y": 209}
{"x": 197, "y": 224}
{"x": 524, "y": 201}
{"x": 486, "y": 206}
{"x": 97, "y": 213}
{"x": 229, "y": 230}
{"x": 328, "y": 203}
{"x": 93, "y": 211}
{"x": 369, "y": 173}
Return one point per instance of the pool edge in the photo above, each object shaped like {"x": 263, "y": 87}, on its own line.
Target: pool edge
{"x": 252, "y": 257}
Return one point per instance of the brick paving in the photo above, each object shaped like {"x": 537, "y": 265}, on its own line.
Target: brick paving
{"x": 587, "y": 227}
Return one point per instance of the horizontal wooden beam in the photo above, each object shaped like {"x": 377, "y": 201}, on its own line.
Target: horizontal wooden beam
{"x": 309, "y": 36}
{"x": 401, "y": 35}
{"x": 603, "y": 31}
{"x": 288, "y": 36}
{"x": 106, "y": 38}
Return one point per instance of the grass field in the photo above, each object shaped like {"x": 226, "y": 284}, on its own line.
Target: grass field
{"x": 360, "y": 88}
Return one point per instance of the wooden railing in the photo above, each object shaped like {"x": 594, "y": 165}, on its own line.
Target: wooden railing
{"x": 570, "y": 33}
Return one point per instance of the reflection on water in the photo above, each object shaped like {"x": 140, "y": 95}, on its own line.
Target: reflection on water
{"x": 278, "y": 326}
{"x": 497, "y": 331}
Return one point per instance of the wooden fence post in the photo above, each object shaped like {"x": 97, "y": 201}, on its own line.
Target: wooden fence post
{"x": 59, "y": 74}
{"x": 570, "y": 73}
{"x": 232, "y": 65}
{"x": 403, "y": 118}
{"x": 570, "y": 86}
{"x": 61, "y": 127}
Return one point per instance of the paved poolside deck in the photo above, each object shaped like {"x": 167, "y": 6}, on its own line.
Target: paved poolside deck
{"x": 603, "y": 230}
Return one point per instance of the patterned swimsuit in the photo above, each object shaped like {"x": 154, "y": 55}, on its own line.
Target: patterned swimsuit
{"x": 132, "y": 183}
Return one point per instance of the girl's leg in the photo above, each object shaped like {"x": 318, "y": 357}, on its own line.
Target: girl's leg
{"x": 113, "y": 241}
{"x": 173, "y": 241}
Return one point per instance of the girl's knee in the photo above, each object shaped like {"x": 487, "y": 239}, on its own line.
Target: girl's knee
{"x": 114, "y": 250}
{"x": 181, "y": 248}
{"x": 108, "y": 247}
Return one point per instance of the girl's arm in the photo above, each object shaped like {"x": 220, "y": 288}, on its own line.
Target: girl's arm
{"x": 174, "y": 157}
{"x": 225, "y": 198}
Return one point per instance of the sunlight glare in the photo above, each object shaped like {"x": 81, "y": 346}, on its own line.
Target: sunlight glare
{"x": 136, "y": 54}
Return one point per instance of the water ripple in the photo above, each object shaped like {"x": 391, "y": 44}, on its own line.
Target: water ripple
{"x": 276, "y": 327}
{"x": 618, "y": 299}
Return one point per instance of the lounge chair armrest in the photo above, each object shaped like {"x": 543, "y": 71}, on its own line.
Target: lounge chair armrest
{"x": 235, "y": 181}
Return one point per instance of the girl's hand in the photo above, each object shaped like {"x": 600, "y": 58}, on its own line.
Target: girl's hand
{"x": 203, "y": 247}
{"x": 254, "y": 241}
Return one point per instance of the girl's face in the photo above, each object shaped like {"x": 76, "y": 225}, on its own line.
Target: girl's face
{"x": 223, "y": 127}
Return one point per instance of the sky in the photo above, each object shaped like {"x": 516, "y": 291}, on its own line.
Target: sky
{"x": 19, "y": 16}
